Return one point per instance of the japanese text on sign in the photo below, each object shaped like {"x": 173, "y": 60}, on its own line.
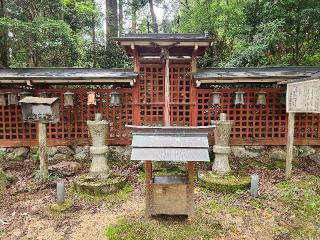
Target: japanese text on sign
{"x": 304, "y": 96}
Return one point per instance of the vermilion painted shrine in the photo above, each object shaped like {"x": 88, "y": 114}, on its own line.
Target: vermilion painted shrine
{"x": 197, "y": 96}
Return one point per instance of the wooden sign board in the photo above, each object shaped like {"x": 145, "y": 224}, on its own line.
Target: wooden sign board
{"x": 304, "y": 96}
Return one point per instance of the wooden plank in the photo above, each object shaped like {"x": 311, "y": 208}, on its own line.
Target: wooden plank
{"x": 290, "y": 138}
{"x": 167, "y": 92}
{"x": 170, "y": 154}
{"x": 200, "y": 141}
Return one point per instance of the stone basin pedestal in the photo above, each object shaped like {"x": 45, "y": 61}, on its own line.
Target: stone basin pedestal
{"x": 221, "y": 148}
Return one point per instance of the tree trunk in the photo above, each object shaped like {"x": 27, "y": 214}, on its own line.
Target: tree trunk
{"x": 134, "y": 18}
{"x": 111, "y": 18}
{"x": 154, "y": 17}
{"x": 296, "y": 53}
{"x": 120, "y": 17}
{"x": 4, "y": 56}
{"x": 94, "y": 38}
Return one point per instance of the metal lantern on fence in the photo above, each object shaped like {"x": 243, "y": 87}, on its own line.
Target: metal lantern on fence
{"x": 261, "y": 98}
{"x": 283, "y": 98}
{"x": 92, "y": 98}
{"x": 22, "y": 95}
{"x": 3, "y": 101}
{"x": 115, "y": 99}
{"x": 43, "y": 94}
{"x": 12, "y": 98}
{"x": 215, "y": 98}
{"x": 239, "y": 98}
{"x": 68, "y": 99}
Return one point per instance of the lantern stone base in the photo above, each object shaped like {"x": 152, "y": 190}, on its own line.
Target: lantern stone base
{"x": 99, "y": 167}
{"x": 221, "y": 160}
{"x": 99, "y": 186}
{"x": 227, "y": 183}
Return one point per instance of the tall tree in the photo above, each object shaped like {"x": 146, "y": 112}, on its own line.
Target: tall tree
{"x": 4, "y": 61}
{"x": 154, "y": 17}
{"x": 120, "y": 17}
{"x": 111, "y": 18}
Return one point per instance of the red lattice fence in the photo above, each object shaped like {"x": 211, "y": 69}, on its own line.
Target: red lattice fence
{"x": 257, "y": 124}
{"x": 72, "y": 128}
{"x": 143, "y": 104}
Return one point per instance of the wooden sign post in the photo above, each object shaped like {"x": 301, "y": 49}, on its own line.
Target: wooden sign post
{"x": 302, "y": 97}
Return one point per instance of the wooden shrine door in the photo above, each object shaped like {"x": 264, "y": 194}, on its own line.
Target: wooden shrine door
{"x": 150, "y": 93}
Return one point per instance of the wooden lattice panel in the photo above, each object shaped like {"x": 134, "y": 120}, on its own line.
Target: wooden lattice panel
{"x": 180, "y": 95}
{"x": 12, "y": 128}
{"x": 151, "y": 94}
{"x": 73, "y": 124}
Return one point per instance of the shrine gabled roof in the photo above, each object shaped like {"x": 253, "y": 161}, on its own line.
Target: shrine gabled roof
{"x": 150, "y": 44}
{"x": 188, "y": 37}
{"x": 253, "y": 75}
{"x": 66, "y": 75}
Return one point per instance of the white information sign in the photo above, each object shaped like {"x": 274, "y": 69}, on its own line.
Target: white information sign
{"x": 304, "y": 96}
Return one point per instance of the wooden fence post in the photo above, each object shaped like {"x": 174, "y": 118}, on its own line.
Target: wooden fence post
{"x": 290, "y": 138}
{"x": 44, "y": 173}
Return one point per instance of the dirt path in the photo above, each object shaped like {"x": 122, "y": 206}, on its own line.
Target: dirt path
{"x": 36, "y": 222}
{"x": 92, "y": 226}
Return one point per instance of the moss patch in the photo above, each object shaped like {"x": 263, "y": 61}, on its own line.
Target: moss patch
{"x": 59, "y": 208}
{"x": 170, "y": 170}
{"x": 98, "y": 186}
{"x": 112, "y": 198}
{"x": 5, "y": 179}
{"x": 201, "y": 226}
{"x": 228, "y": 183}
{"x": 302, "y": 198}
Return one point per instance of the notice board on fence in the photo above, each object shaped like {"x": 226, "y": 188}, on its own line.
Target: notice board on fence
{"x": 304, "y": 96}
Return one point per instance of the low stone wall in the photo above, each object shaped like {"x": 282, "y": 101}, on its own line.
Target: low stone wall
{"x": 122, "y": 153}
{"x": 64, "y": 153}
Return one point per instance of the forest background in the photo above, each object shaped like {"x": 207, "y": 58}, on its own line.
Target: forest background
{"x": 79, "y": 33}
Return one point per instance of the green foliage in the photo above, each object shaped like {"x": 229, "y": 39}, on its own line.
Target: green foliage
{"x": 109, "y": 56}
{"x": 256, "y": 33}
{"x": 5, "y": 179}
{"x": 226, "y": 183}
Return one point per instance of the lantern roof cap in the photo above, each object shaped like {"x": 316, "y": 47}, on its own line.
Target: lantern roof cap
{"x": 39, "y": 100}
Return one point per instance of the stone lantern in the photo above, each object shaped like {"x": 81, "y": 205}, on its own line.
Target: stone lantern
{"x": 215, "y": 98}
{"x": 3, "y": 101}
{"x": 115, "y": 99}
{"x": 261, "y": 98}
{"x": 92, "y": 98}
{"x": 12, "y": 98}
{"x": 99, "y": 129}
{"x": 68, "y": 99}
{"x": 221, "y": 147}
{"x": 239, "y": 98}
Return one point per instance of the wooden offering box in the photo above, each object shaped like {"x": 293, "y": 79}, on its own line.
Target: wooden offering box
{"x": 170, "y": 195}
